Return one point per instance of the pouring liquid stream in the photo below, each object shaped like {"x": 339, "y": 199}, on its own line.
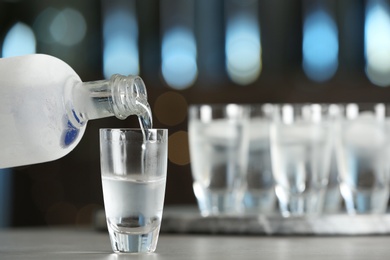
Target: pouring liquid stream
{"x": 145, "y": 121}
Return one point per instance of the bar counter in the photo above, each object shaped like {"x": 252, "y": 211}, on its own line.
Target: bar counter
{"x": 83, "y": 243}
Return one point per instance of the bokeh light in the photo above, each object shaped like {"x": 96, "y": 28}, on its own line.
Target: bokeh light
{"x": 68, "y": 27}
{"x": 243, "y": 49}
{"x": 377, "y": 43}
{"x": 65, "y": 27}
{"x": 42, "y": 25}
{"x": 320, "y": 46}
{"x": 178, "y": 152}
{"x": 179, "y": 67}
{"x": 120, "y": 37}
{"x": 86, "y": 214}
{"x": 19, "y": 40}
{"x": 170, "y": 108}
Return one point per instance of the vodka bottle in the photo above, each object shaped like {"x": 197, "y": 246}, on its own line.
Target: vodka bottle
{"x": 45, "y": 107}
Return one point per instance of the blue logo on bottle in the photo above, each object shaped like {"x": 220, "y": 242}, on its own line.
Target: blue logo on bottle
{"x": 71, "y": 134}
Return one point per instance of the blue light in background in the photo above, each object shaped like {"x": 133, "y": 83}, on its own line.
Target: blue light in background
{"x": 120, "y": 32}
{"x": 320, "y": 46}
{"x": 5, "y": 197}
{"x": 243, "y": 49}
{"x": 19, "y": 40}
{"x": 179, "y": 67}
{"x": 377, "y": 43}
{"x": 68, "y": 27}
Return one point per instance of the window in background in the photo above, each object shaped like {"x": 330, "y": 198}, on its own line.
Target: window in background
{"x": 120, "y": 38}
{"x": 320, "y": 46}
{"x": 19, "y": 40}
{"x": 243, "y": 46}
{"x": 377, "y": 42}
{"x": 178, "y": 51}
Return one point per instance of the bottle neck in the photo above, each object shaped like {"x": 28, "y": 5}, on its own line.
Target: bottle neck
{"x": 120, "y": 96}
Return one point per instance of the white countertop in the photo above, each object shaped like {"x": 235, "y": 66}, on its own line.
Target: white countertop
{"x": 72, "y": 243}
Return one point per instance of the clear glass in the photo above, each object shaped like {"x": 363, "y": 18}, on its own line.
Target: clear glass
{"x": 260, "y": 196}
{"x": 363, "y": 152}
{"x": 134, "y": 178}
{"x": 301, "y": 140}
{"x": 218, "y": 149}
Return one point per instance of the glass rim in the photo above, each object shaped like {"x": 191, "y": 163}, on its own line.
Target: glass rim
{"x": 262, "y": 105}
{"x": 124, "y": 135}
{"x": 128, "y": 129}
{"x": 215, "y": 105}
{"x": 223, "y": 105}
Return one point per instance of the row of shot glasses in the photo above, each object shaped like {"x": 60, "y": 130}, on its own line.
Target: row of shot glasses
{"x": 290, "y": 159}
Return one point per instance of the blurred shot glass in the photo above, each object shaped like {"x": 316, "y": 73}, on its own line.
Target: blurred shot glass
{"x": 333, "y": 200}
{"x": 133, "y": 176}
{"x": 300, "y": 153}
{"x": 363, "y": 154}
{"x": 259, "y": 197}
{"x": 218, "y": 149}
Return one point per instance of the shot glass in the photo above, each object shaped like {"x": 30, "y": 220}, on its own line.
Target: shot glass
{"x": 218, "y": 150}
{"x": 133, "y": 170}
{"x": 363, "y": 152}
{"x": 301, "y": 140}
{"x": 259, "y": 197}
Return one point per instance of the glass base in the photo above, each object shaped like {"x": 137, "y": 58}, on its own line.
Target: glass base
{"x": 369, "y": 201}
{"x": 260, "y": 202}
{"x": 217, "y": 203}
{"x": 134, "y": 243}
{"x": 298, "y": 205}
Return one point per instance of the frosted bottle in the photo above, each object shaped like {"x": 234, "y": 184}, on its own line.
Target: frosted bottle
{"x": 44, "y": 107}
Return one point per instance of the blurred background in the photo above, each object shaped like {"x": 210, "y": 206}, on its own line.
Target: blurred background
{"x": 187, "y": 52}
